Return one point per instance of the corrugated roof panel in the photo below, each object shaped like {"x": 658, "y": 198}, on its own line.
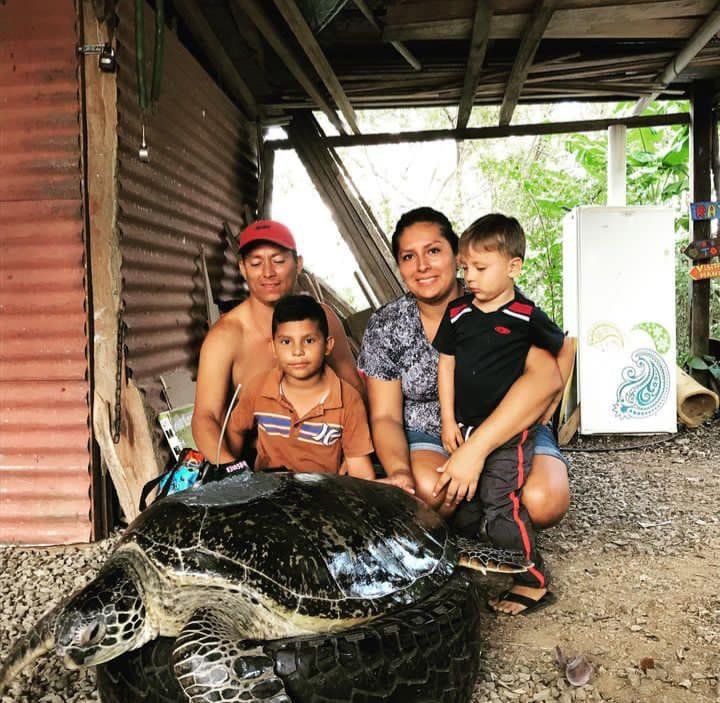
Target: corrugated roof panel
{"x": 44, "y": 411}
{"x": 202, "y": 172}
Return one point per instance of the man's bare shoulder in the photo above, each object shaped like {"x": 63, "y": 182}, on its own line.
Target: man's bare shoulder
{"x": 230, "y": 327}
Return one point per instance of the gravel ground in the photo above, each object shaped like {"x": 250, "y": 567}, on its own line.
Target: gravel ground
{"x": 634, "y": 566}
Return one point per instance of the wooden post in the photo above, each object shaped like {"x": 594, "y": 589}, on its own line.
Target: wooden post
{"x": 616, "y": 188}
{"x": 129, "y": 459}
{"x": 701, "y": 159}
{"x": 267, "y": 176}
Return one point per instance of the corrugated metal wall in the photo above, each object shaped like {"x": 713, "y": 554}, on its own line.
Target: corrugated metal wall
{"x": 202, "y": 171}
{"x": 44, "y": 414}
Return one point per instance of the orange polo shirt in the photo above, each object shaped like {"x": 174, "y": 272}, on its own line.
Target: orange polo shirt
{"x": 318, "y": 440}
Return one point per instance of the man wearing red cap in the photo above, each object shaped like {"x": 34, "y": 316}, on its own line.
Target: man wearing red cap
{"x": 239, "y": 345}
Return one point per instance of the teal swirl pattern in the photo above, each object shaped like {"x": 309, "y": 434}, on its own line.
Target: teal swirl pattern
{"x": 645, "y": 386}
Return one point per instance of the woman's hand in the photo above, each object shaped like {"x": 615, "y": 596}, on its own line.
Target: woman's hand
{"x": 451, "y": 435}
{"x": 402, "y": 478}
{"x": 461, "y": 474}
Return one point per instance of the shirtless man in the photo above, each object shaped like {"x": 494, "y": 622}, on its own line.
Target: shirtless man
{"x": 239, "y": 345}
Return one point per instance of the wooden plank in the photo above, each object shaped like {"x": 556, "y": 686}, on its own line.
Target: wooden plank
{"x": 432, "y": 135}
{"x": 700, "y": 170}
{"x": 569, "y": 429}
{"x": 478, "y": 46}
{"x": 352, "y": 216}
{"x": 398, "y": 46}
{"x": 403, "y": 13}
{"x": 510, "y": 27}
{"x": 525, "y": 54}
{"x": 255, "y": 11}
{"x": 432, "y": 10}
{"x": 209, "y": 44}
{"x": 292, "y": 15}
{"x": 452, "y": 19}
{"x": 562, "y": 87}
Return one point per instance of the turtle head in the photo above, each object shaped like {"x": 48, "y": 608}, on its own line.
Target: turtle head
{"x": 102, "y": 621}
{"x": 99, "y": 622}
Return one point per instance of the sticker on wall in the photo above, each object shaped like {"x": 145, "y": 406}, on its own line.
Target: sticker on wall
{"x": 605, "y": 336}
{"x": 659, "y": 335}
{"x": 645, "y": 386}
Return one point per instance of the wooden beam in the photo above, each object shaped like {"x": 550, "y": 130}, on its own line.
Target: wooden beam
{"x": 255, "y": 11}
{"x": 292, "y": 15}
{"x": 529, "y": 44}
{"x": 354, "y": 220}
{"x": 398, "y": 46}
{"x": 695, "y": 45}
{"x": 452, "y": 19}
{"x": 433, "y": 135}
{"x": 129, "y": 457}
{"x": 476, "y": 56}
{"x": 700, "y": 169}
{"x": 210, "y": 45}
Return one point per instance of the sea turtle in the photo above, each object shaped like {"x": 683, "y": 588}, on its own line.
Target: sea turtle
{"x": 241, "y": 570}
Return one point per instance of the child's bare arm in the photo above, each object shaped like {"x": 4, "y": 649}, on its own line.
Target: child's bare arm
{"x": 235, "y": 440}
{"x": 451, "y": 435}
{"x": 360, "y": 467}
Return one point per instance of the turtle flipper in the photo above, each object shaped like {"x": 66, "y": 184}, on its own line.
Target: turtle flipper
{"x": 29, "y": 648}
{"x": 210, "y": 659}
{"x": 482, "y": 556}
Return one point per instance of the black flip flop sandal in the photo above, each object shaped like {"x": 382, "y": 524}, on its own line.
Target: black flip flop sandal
{"x": 531, "y": 605}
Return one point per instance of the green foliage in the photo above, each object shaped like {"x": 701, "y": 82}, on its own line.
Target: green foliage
{"x": 657, "y": 163}
{"x": 536, "y": 179}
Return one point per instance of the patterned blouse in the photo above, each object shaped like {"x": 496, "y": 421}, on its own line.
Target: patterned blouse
{"x": 395, "y": 347}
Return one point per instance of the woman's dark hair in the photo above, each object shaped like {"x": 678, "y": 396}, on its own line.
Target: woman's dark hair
{"x": 424, "y": 214}
{"x": 296, "y": 308}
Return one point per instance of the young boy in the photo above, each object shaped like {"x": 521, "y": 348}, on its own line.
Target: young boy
{"x": 307, "y": 418}
{"x": 483, "y": 341}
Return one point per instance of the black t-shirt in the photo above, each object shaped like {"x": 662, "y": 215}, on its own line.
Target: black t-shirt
{"x": 490, "y": 350}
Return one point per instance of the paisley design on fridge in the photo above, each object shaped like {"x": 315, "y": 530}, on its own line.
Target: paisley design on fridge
{"x": 645, "y": 386}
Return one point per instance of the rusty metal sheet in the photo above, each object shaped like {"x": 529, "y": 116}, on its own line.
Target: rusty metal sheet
{"x": 202, "y": 171}
{"x": 44, "y": 411}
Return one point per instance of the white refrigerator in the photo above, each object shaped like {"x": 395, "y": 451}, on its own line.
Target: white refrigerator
{"x": 619, "y": 301}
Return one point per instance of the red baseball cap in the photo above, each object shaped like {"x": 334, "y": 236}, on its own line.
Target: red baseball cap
{"x": 267, "y": 231}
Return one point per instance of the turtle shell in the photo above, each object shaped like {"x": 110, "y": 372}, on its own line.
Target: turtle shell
{"x": 317, "y": 544}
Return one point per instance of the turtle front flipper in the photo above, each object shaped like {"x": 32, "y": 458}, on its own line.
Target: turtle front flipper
{"x": 212, "y": 662}
{"x": 482, "y": 556}
{"x": 29, "y": 648}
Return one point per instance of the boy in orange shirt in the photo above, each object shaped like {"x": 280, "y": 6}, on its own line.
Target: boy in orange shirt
{"x": 307, "y": 418}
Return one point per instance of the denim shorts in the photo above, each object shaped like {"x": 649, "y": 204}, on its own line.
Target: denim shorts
{"x": 424, "y": 441}
{"x": 544, "y": 443}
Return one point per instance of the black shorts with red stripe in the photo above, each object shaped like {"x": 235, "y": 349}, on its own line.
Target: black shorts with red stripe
{"x": 507, "y": 521}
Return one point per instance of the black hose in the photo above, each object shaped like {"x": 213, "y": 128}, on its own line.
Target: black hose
{"x": 624, "y": 448}
{"x": 140, "y": 52}
{"x": 159, "y": 49}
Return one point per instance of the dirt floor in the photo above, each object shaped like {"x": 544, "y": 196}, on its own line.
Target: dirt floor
{"x": 635, "y": 567}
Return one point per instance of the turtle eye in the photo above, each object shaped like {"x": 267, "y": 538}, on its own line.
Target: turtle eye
{"x": 91, "y": 634}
